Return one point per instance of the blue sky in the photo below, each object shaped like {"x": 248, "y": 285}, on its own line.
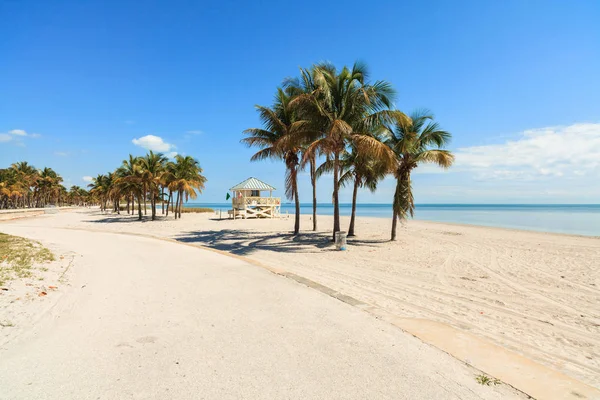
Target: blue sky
{"x": 515, "y": 82}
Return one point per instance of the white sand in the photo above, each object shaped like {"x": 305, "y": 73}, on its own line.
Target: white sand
{"x": 148, "y": 319}
{"x": 535, "y": 293}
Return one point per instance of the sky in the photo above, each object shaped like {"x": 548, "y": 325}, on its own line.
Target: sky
{"x": 517, "y": 82}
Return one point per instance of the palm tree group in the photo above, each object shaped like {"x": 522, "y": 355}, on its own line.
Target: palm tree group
{"x": 24, "y": 186}
{"x": 146, "y": 179}
{"x": 341, "y": 118}
{"x": 138, "y": 180}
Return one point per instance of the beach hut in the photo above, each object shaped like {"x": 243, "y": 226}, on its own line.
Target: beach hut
{"x": 249, "y": 200}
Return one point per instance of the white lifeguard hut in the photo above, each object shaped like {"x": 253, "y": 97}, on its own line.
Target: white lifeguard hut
{"x": 247, "y": 201}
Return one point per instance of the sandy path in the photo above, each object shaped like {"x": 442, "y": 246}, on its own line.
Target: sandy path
{"x": 147, "y": 319}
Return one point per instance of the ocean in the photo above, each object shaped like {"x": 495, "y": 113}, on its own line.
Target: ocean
{"x": 578, "y": 219}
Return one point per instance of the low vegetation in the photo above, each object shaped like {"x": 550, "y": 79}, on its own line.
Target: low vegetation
{"x": 485, "y": 380}
{"x": 197, "y": 210}
{"x": 18, "y": 255}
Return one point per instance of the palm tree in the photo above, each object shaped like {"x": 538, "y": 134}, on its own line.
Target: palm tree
{"x": 101, "y": 186}
{"x": 348, "y": 108}
{"x": 278, "y": 141}
{"x": 185, "y": 178}
{"x": 414, "y": 141}
{"x": 130, "y": 179}
{"x": 358, "y": 170}
{"x": 153, "y": 166}
{"x": 128, "y": 169}
{"x": 364, "y": 172}
{"x": 305, "y": 86}
{"x": 26, "y": 176}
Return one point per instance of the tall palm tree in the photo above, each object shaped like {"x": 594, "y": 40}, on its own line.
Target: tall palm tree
{"x": 101, "y": 187}
{"x": 129, "y": 168}
{"x": 130, "y": 179}
{"x": 278, "y": 141}
{"x": 26, "y": 175}
{"x": 153, "y": 165}
{"x": 414, "y": 141}
{"x": 304, "y": 87}
{"x": 185, "y": 179}
{"x": 349, "y": 107}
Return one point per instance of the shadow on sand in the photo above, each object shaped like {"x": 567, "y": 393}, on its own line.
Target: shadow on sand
{"x": 244, "y": 242}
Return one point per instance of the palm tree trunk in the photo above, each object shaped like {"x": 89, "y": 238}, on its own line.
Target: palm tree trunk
{"x": 180, "y": 203}
{"x": 396, "y": 205}
{"x": 313, "y": 181}
{"x": 394, "y": 223}
{"x": 153, "y": 204}
{"x": 139, "y": 209}
{"x": 353, "y": 215}
{"x": 168, "y": 202}
{"x": 336, "y": 199}
{"x": 128, "y": 201}
{"x": 176, "y": 202}
{"x": 145, "y": 207}
{"x": 297, "y": 201}
{"x": 162, "y": 199}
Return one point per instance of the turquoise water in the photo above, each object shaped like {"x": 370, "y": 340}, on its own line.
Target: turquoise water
{"x": 576, "y": 219}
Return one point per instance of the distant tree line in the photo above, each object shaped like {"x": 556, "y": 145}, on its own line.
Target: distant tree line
{"x": 138, "y": 181}
{"x": 24, "y": 186}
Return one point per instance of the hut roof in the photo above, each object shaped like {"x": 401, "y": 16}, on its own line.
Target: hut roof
{"x": 252, "y": 184}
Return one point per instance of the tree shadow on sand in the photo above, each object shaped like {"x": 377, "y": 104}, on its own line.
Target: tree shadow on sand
{"x": 117, "y": 218}
{"x": 245, "y": 242}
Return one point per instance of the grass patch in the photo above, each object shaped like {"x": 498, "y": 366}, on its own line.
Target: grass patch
{"x": 485, "y": 380}
{"x": 185, "y": 210}
{"x": 17, "y": 256}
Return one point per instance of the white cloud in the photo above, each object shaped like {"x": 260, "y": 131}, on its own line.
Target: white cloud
{"x": 552, "y": 152}
{"x": 196, "y": 132}
{"x": 17, "y": 135}
{"x": 87, "y": 178}
{"x": 18, "y": 132}
{"x": 171, "y": 154}
{"x": 61, "y": 153}
{"x": 154, "y": 143}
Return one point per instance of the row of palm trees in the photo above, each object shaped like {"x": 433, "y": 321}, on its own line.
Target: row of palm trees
{"x": 340, "y": 119}
{"x": 150, "y": 178}
{"x": 24, "y": 186}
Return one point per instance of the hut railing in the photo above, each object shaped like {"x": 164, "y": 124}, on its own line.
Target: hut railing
{"x": 242, "y": 202}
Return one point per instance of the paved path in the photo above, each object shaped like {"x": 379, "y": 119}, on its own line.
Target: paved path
{"x": 148, "y": 319}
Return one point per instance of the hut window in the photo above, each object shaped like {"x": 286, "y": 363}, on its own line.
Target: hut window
{"x": 255, "y": 193}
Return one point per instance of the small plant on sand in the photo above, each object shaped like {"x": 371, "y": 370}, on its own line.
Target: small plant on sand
{"x": 483, "y": 379}
{"x": 17, "y": 256}
{"x": 6, "y": 324}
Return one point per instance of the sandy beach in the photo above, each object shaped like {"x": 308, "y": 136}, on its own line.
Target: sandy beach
{"x": 535, "y": 294}
{"x": 143, "y": 318}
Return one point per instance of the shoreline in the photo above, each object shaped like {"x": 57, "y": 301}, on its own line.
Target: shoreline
{"x": 570, "y": 219}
